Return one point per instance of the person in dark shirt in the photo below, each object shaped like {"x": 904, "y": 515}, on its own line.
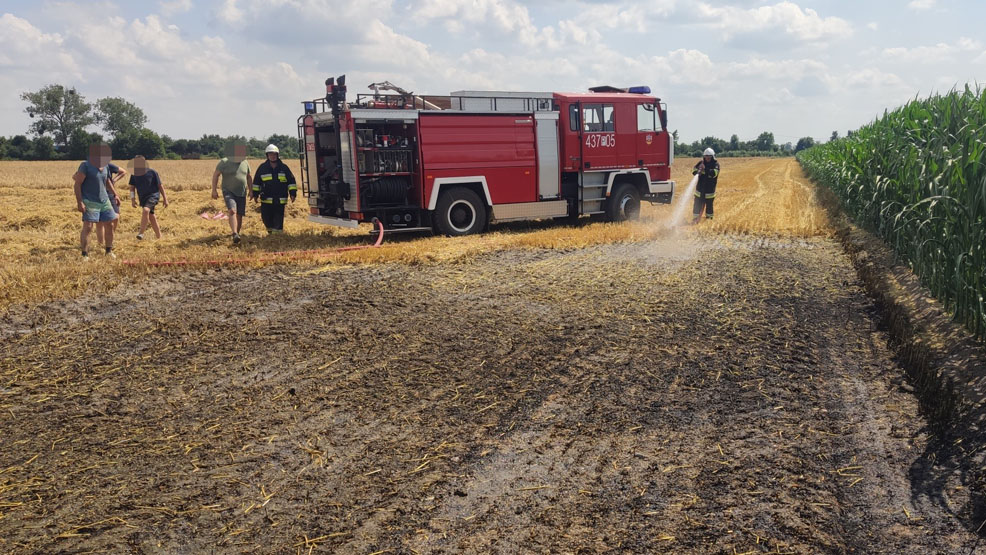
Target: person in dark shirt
{"x": 273, "y": 184}
{"x": 146, "y": 186}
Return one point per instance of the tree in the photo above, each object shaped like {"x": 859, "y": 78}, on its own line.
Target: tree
{"x": 119, "y": 116}
{"x": 149, "y": 145}
{"x": 211, "y": 145}
{"x": 58, "y": 111}
{"x": 835, "y": 136}
{"x": 168, "y": 143}
{"x": 124, "y": 145}
{"x": 78, "y": 144}
{"x": 143, "y": 142}
{"x": 803, "y": 143}
{"x": 288, "y": 145}
{"x": 255, "y": 148}
{"x": 734, "y": 142}
{"x": 184, "y": 147}
{"x": 765, "y": 142}
{"x": 19, "y": 147}
{"x": 43, "y": 148}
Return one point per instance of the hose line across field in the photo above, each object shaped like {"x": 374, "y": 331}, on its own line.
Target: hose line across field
{"x": 280, "y": 255}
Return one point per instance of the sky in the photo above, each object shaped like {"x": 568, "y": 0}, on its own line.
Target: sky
{"x": 794, "y": 68}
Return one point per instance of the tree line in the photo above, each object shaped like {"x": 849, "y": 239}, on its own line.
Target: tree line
{"x": 63, "y": 121}
{"x": 63, "y": 124}
{"x": 763, "y": 145}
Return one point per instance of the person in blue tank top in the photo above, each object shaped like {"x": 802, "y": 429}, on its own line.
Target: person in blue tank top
{"x": 93, "y": 185}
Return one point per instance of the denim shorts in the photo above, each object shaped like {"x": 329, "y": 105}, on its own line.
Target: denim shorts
{"x": 98, "y": 211}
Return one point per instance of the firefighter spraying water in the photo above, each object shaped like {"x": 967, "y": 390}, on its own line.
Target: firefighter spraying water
{"x": 707, "y": 172}
{"x": 455, "y": 164}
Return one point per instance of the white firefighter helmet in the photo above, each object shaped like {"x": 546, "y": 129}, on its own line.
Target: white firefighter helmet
{"x": 709, "y": 152}
{"x": 272, "y": 148}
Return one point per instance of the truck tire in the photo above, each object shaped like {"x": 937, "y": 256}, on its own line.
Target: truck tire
{"x": 459, "y": 212}
{"x": 624, "y": 203}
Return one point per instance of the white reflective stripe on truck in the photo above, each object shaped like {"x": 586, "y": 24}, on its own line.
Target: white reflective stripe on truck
{"x": 439, "y": 181}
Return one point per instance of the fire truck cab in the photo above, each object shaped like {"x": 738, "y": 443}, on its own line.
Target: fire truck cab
{"x": 455, "y": 164}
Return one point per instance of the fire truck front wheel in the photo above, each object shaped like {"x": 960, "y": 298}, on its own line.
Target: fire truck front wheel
{"x": 459, "y": 212}
{"x": 624, "y": 203}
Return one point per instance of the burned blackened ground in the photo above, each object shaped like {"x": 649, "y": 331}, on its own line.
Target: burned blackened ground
{"x": 691, "y": 394}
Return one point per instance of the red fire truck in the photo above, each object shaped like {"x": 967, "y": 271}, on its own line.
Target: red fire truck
{"x": 456, "y": 163}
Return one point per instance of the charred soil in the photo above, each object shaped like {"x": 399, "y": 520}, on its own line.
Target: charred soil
{"x": 695, "y": 393}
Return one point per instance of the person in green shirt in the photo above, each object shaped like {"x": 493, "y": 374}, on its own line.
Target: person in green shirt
{"x": 235, "y": 171}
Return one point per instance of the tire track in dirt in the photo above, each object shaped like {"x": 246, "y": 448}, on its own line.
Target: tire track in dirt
{"x": 778, "y": 204}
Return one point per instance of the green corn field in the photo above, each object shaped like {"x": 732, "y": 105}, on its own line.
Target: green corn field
{"x": 916, "y": 177}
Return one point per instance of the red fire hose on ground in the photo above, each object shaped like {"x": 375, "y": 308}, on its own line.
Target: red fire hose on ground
{"x": 280, "y": 255}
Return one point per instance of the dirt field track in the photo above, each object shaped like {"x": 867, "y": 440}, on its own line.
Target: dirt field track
{"x": 722, "y": 388}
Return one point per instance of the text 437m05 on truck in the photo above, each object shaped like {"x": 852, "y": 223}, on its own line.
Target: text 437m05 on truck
{"x": 456, "y": 163}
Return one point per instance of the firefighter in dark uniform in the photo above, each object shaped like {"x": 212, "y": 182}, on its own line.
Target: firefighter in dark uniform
{"x": 273, "y": 183}
{"x": 707, "y": 170}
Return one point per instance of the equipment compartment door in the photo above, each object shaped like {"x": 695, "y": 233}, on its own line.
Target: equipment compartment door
{"x": 549, "y": 185}
{"x": 498, "y": 148}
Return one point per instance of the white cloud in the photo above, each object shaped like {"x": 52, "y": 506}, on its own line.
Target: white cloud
{"x": 765, "y": 64}
{"x": 921, "y": 4}
{"x": 478, "y": 17}
{"x": 775, "y": 96}
{"x": 963, "y": 48}
{"x": 785, "y": 19}
{"x": 692, "y": 67}
{"x": 178, "y": 80}
{"x": 304, "y": 24}
{"x": 25, "y": 47}
{"x": 871, "y": 78}
{"x": 506, "y": 15}
{"x": 632, "y": 17}
{"x": 383, "y": 46}
{"x": 230, "y": 13}
{"x": 758, "y": 68}
{"x": 175, "y": 7}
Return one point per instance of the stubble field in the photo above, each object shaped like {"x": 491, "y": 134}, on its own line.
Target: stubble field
{"x": 644, "y": 387}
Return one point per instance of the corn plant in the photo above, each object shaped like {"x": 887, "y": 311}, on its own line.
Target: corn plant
{"x": 916, "y": 177}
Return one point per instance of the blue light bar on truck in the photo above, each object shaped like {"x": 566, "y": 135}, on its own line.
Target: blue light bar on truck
{"x": 642, "y": 89}
{"x": 309, "y": 107}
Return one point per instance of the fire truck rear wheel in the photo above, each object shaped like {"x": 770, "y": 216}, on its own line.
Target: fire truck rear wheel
{"x": 624, "y": 203}
{"x": 460, "y": 212}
